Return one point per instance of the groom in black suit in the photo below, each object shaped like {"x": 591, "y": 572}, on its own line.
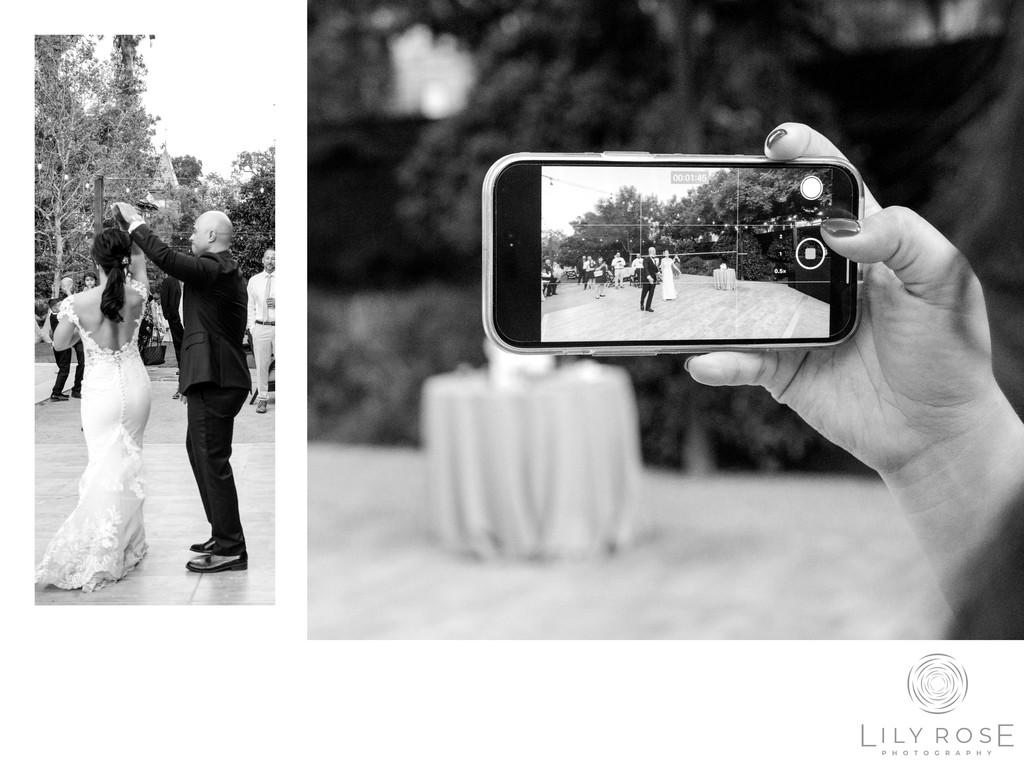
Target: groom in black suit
{"x": 214, "y": 376}
{"x": 649, "y": 279}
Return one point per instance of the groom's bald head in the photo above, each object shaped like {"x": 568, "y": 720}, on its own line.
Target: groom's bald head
{"x": 212, "y": 234}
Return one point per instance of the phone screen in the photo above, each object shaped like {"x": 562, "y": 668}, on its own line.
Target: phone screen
{"x": 607, "y": 254}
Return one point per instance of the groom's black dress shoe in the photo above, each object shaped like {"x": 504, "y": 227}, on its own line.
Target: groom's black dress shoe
{"x": 215, "y": 563}
{"x": 206, "y": 547}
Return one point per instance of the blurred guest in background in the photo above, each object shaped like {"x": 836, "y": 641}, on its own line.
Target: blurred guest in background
{"x": 170, "y": 301}
{"x": 547, "y": 273}
{"x": 601, "y": 276}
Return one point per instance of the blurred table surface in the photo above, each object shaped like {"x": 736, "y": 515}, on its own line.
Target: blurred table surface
{"x": 548, "y": 467}
{"x": 725, "y": 279}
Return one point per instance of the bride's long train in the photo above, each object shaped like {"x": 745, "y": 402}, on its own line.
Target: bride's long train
{"x": 104, "y": 537}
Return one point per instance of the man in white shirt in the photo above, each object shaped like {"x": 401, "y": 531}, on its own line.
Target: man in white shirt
{"x": 261, "y": 291}
{"x": 619, "y": 269}
{"x": 638, "y": 265}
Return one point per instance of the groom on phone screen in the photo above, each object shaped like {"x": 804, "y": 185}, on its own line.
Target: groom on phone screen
{"x": 214, "y": 377}
{"x": 648, "y": 279}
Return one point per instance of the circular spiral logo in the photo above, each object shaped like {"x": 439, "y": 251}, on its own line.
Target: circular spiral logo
{"x": 937, "y": 683}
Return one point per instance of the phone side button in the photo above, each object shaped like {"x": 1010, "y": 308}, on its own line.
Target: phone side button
{"x": 625, "y": 154}
{"x": 624, "y": 352}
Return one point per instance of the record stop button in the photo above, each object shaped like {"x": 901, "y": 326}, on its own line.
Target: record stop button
{"x": 810, "y": 253}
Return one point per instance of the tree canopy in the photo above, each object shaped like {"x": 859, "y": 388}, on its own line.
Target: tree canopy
{"x": 188, "y": 169}
{"x": 252, "y": 212}
{"x": 89, "y": 121}
{"x": 704, "y": 220}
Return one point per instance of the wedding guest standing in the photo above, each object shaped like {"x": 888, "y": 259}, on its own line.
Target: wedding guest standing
{"x": 62, "y": 358}
{"x": 601, "y": 275}
{"x": 262, "y": 324}
{"x": 638, "y": 265}
{"x": 619, "y": 269}
{"x": 67, "y": 286}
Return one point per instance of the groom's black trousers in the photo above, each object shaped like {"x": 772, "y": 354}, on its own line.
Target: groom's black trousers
{"x": 646, "y": 295}
{"x": 211, "y": 422}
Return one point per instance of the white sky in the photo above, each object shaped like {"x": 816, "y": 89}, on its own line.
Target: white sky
{"x": 181, "y": 83}
{"x": 569, "y": 192}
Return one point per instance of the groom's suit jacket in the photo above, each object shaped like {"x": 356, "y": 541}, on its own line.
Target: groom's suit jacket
{"x": 214, "y": 313}
{"x": 649, "y": 269}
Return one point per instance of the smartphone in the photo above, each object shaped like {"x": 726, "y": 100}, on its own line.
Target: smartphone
{"x": 624, "y": 253}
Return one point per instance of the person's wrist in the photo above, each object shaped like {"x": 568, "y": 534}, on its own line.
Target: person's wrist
{"x": 976, "y": 432}
{"x": 954, "y": 492}
{"x": 134, "y": 225}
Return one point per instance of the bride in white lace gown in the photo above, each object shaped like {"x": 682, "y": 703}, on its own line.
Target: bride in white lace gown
{"x": 668, "y": 278}
{"x": 104, "y": 538}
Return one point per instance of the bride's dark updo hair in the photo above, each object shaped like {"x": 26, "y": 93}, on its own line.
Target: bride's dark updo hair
{"x": 112, "y": 252}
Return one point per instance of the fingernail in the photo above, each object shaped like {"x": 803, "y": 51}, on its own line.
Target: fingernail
{"x": 686, "y": 364}
{"x": 774, "y": 136}
{"x": 840, "y": 227}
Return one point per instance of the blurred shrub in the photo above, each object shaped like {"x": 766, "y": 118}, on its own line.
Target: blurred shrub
{"x": 695, "y": 264}
{"x": 754, "y": 265}
{"x": 781, "y": 250}
{"x": 369, "y": 354}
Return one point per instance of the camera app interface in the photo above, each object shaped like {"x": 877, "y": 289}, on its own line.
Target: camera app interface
{"x": 699, "y": 253}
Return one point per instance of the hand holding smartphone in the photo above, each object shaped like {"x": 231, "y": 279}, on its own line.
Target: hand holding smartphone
{"x": 721, "y": 252}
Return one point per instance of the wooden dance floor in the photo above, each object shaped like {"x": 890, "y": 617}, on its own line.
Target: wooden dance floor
{"x": 753, "y": 310}
{"x": 173, "y": 512}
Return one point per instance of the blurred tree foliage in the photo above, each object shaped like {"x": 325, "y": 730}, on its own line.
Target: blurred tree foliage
{"x": 350, "y": 71}
{"x": 559, "y": 75}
